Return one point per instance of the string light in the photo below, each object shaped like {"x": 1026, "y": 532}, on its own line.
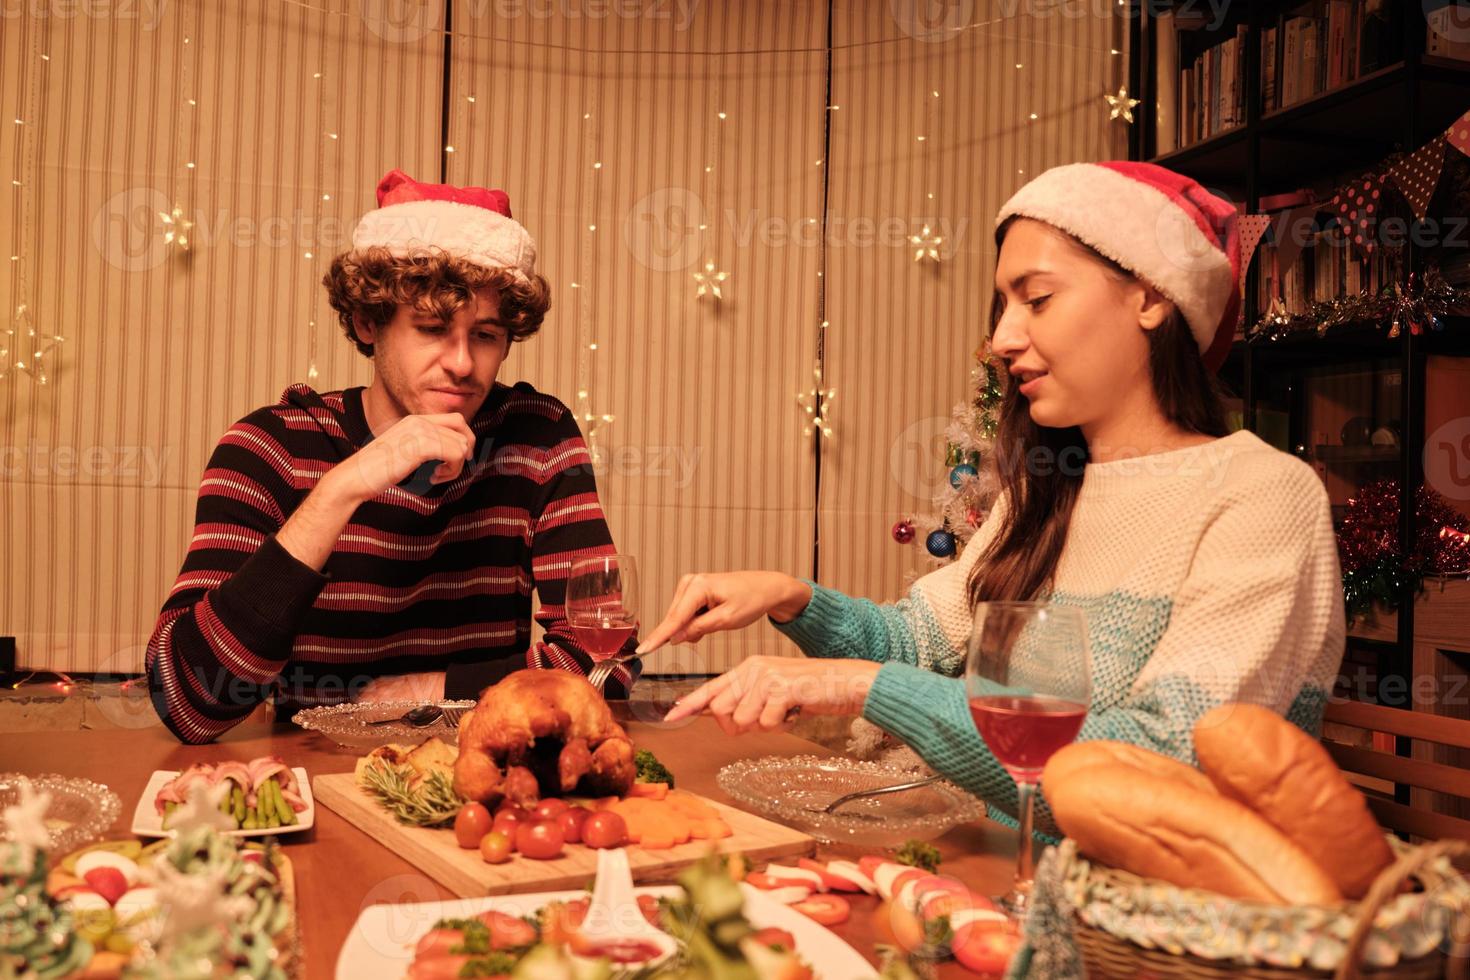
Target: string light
{"x": 926, "y": 245}
{"x": 1120, "y": 105}
{"x": 176, "y": 228}
{"x": 31, "y": 362}
{"x": 709, "y": 281}
{"x": 816, "y": 404}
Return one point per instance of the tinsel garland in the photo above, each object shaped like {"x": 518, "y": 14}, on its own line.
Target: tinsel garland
{"x": 1374, "y": 570}
{"x": 1393, "y": 307}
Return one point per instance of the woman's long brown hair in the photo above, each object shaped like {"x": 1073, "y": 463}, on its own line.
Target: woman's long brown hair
{"x": 1040, "y": 468}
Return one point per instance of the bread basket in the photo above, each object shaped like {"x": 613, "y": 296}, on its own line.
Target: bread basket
{"x": 1124, "y": 926}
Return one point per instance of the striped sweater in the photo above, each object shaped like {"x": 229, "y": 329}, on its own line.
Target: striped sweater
{"x": 423, "y": 577}
{"x": 1207, "y": 575}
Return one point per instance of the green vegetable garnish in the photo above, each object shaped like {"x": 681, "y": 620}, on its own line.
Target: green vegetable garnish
{"x": 650, "y": 770}
{"x": 919, "y": 855}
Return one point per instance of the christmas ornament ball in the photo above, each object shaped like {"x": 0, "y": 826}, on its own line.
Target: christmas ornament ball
{"x": 958, "y": 474}
{"x": 903, "y": 532}
{"x": 940, "y": 544}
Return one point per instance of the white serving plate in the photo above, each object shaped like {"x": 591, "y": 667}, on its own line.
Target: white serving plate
{"x": 148, "y": 822}
{"x": 382, "y": 940}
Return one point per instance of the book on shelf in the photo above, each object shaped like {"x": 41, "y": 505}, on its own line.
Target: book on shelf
{"x": 1447, "y": 30}
{"x": 1323, "y": 45}
{"x": 1326, "y": 269}
{"x": 1212, "y": 86}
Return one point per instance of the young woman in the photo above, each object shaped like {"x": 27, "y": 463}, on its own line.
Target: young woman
{"x": 1205, "y": 561}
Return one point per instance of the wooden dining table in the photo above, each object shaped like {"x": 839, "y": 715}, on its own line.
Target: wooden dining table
{"x": 340, "y": 870}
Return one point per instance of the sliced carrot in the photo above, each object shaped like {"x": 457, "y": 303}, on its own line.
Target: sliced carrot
{"x": 718, "y": 829}
{"x": 652, "y": 791}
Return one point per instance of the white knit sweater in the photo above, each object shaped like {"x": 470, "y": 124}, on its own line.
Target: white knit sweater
{"x": 1208, "y": 575}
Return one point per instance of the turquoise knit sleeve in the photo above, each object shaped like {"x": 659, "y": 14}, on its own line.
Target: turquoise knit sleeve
{"x": 834, "y": 625}
{"x": 931, "y": 714}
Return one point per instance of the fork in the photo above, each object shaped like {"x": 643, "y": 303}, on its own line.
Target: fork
{"x": 600, "y": 672}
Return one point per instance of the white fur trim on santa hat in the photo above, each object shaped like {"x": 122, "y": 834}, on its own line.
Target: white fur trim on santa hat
{"x": 476, "y": 234}
{"x": 1141, "y": 229}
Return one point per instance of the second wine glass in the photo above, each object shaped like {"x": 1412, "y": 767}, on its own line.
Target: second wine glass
{"x": 602, "y": 603}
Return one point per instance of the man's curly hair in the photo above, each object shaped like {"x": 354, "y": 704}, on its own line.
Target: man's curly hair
{"x": 374, "y": 283}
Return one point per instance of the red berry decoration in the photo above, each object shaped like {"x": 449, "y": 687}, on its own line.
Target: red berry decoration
{"x": 903, "y": 531}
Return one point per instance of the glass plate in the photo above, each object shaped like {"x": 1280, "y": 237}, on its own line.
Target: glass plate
{"x": 783, "y": 788}
{"x": 81, "y": 811}
{"x": 347, "y": 724}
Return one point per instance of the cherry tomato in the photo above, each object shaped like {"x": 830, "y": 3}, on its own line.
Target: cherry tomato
{"x": 605, "y": 829}
{"x": 648, "y": 905}
{"x": 778, "y": 939}
{"x": 508, "y": 807}
{"x": 540, "y": 840}
{"x": 470, "y": 824}
{"x": 495, "y": 847}
{"x": 829, "y": 910}
{"x": 506, "y": 821}
{"x": 984, "y": 948}
{"x": 507, "y": 931}
{"x": 571, "y": 821}
{"x": 550, "y": 809}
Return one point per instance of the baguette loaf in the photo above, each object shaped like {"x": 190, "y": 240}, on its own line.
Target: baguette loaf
{"x": 1254, "y": 755}
{"x": 1081, "y": 755}
{"x": 1160, "y": 828}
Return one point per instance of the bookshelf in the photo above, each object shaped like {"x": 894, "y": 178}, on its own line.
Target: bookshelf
{"x": 1304, "y": 393}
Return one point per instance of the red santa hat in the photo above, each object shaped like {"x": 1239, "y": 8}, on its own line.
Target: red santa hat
{"x": 1161, "y": 226}
{"x": 471, "y": 223}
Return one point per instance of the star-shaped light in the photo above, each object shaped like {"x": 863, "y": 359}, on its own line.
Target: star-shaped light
{"x": 591, "y": 420}
{"x": 25, "y": 820}
{"x": 709, "y": 281}
{"x": 176, "y": 228}
{"x": 926, "y": 245}
{"x": 815, "y": 403}
{"x": 202, "y": 808}
{"x": 25, "y": 348}
{"x": 1121, "y": 105}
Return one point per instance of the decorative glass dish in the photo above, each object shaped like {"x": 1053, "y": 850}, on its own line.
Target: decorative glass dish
{"x": 793, "y": 791}
{"x": 349, "y": 725}
{"x": 80, "y": 811}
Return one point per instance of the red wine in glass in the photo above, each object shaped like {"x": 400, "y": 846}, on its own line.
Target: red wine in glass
{"x": 1023, "y": 732}
{"x": 602, "y": 603}
{"x": 602, "y": 638}
{"x": 1028, "y": 678}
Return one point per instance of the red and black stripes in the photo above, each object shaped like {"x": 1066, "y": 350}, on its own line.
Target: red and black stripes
{"x": 422, "y": 578}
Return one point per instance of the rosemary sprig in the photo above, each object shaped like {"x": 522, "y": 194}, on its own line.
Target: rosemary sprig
{"x": 429, "y": 802}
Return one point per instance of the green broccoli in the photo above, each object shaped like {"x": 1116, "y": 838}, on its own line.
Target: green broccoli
{"x": 919, "y": 855}
{"x": 650, "y": 770}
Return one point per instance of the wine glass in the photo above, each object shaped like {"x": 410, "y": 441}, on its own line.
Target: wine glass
{"x": 602, "y": 603}
{"x": 1028, "y": 679}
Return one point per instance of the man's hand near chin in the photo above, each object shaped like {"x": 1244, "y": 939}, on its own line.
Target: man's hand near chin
{"x": 405, "y": 687}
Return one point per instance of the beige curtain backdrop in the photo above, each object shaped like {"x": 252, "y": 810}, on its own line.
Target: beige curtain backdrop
{"x": 903, "y": 333}
{"x": 645, "y": 145}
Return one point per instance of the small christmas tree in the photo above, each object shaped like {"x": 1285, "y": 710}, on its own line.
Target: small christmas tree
{"x": 37, "y": 936}
{"x": 963, "y": 503}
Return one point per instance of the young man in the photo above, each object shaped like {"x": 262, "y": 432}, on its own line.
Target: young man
{"x": 381, "y": 543}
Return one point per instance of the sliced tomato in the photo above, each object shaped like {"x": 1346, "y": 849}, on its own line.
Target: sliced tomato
{"x": 869, "y": 863}
{"x": 767, "y": 882}
{"x": 778, "y": 939}
{"x": 439, "y": 968}
{"x": 829, "y": 910}
{"x": 648, "y": 905}
{"x": 831, "y": 882}
{"x": 985, "y": 949}
{"x": 507, "y": 931}
{"x": 437, "y": 943}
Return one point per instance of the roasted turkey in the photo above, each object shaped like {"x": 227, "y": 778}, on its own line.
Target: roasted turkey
{"x": 541, "y": 733}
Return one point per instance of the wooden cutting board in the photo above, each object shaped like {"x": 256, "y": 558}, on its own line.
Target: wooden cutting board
{"x": 435, "y": 852}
